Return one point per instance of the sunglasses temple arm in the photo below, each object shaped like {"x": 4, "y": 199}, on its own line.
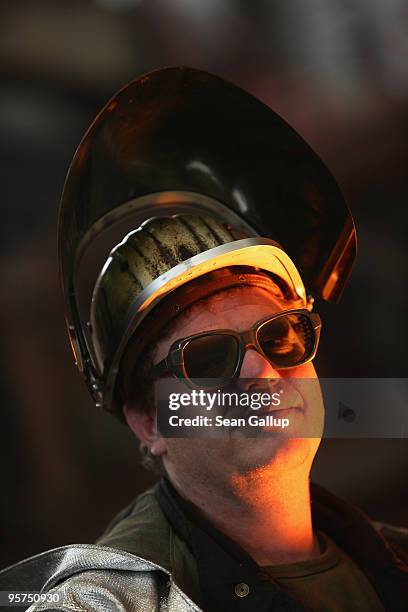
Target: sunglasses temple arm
{"x": 161, "y": 368}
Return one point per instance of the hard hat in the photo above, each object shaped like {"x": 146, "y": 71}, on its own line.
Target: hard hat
{"x": 182, "y": 173}
{"x": 161, "y": 256}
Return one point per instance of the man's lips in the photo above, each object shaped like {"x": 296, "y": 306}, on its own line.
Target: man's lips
{"x": 277, "y": 409}
{"x": 290, "y": 397}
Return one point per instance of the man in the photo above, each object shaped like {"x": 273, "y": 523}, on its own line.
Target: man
{"x": 171, "y": 270}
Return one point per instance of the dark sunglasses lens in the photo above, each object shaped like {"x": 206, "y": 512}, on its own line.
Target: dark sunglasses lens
{"x": 213, "y": 356}
{"x": 287, "y": 340}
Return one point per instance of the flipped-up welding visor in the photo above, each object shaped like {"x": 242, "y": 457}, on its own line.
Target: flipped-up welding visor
{"x": 180, "y": 141}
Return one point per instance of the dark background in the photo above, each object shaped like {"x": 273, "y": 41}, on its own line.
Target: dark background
{"x": 337, "y": 71}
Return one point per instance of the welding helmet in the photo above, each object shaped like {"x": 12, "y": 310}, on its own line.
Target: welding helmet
{"x": 179, "y": 175}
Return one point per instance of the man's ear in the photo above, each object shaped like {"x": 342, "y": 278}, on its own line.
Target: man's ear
{"x": 144, "y": 427}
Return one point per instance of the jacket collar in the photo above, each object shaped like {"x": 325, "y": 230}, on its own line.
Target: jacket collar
{"x": 143, "y": 529}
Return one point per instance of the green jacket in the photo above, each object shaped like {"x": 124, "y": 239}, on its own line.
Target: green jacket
{"x": 142, "y": 529}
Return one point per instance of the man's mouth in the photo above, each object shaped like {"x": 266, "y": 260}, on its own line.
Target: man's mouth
{"x": 282, "y": 410}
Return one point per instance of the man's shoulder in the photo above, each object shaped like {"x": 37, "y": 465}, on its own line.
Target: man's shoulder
{"x": 104, "y": 590}
{"x": 132, "y": 562}
{"x": 372, "y": 544}
{"x": 95, "y": 590}
{"x": 141, "y": 529}
{"x": 144, "y": 506}
{"x": 93, "y": 578}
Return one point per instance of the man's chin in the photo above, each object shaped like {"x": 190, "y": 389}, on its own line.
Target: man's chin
{"x": 273, "y": 453}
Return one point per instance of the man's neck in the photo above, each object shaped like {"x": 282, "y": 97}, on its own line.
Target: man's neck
{"x": 268, "y": 515}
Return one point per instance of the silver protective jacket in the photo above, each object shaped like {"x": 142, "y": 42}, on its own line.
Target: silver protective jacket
{"x": 92, "y": 578}
{"x": 138, "y": 565}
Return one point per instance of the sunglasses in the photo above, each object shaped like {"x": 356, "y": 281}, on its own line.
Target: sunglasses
{"x": 287, "y": 339}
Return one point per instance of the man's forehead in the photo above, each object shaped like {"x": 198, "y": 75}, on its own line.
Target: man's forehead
{"x": 231, "y": 301}
{"x": 237, "y": 295}
{"x": 249, "y": 293}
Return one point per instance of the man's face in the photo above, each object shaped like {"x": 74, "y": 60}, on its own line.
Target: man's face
{"x": 220, "y": 460}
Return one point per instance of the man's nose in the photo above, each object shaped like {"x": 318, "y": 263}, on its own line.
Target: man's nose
{"x": 256, "y": 365}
